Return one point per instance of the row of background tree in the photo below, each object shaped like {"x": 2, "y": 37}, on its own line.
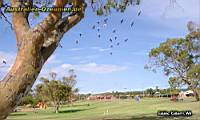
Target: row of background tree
{"x": 36, "y": 95}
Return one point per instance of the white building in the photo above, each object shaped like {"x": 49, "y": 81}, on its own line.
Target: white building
{"x": 186, "y": 93}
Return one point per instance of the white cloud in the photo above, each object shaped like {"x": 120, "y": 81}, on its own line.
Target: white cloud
{"x": 163, "y": 35}
{"x": 91, "y": 56}
{"x": 83, "y": 58}
{"x": 100, "y": 49}
{"x": 75, "y": 49}
{"x": 66, "y": 66}
{"x": 104, "y": 49}
{"x": 92, "y": 64}
{"x": 90, "y": 68}
{"x": 95, "y": 47}
{"x": 75, "y": 58}
{"x": 53, "y": 60}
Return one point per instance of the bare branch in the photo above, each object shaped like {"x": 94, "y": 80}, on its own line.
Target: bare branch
{"x": 2, "y": 15}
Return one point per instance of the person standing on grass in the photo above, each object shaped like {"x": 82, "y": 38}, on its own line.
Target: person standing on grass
{"x": 137, "y": 98}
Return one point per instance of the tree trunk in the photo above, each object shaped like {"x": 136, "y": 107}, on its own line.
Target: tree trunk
{"x": 20, "y": 79}
{"x": 33, "y": 51}
{"x": 196, "y": 94}
{"x": 57, "y": 106}
{"x": 194, "y": 89}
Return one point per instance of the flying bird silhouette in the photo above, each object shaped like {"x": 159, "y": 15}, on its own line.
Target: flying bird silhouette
{"x": 122, "y": 20}
{"x": 99, "y": 35}
{"x": 110, "y": 40}
{"x": 111, "y": 53}
{"x": 4, "y": 61}
{"x": 118, "y": 44}
{"x": 80, "y": 34}
{"x": 98, "y": 29}
{"x": 77, "y": 41}
{"x": 105, "y": 20}
{"x": 98, "y": 22}
{"x": 115, "y": 37}
{"x": 132, "y": 23}
{"x": 114, "y": 31}
{"x": 126, "y": 40}
{"x": 139, "y": 13}
{"x": 93, "y": 27}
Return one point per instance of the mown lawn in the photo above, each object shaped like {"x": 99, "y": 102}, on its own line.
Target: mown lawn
{"x": 146, "y": 109}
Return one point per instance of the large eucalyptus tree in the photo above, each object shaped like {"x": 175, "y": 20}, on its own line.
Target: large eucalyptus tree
{"x": 179, "y": 59}
{"x": 35, "y": 45}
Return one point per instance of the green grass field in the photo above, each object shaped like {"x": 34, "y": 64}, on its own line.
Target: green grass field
{"x": 146, "y": 109}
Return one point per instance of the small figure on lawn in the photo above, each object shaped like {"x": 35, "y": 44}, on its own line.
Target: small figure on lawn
{"x": 137, "y": 98}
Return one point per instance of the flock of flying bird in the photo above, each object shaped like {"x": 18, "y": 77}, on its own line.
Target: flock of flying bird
{"x": 112, "y": 41}
{"x": 99, "y": 35}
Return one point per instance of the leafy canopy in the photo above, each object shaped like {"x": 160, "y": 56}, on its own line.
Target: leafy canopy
{"x": 179, "y": 58}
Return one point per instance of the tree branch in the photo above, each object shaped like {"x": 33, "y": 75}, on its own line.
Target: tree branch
{"x": 49, "y": 22}
{"x": 61, "y": 28}
{"x": 20, "y": 21}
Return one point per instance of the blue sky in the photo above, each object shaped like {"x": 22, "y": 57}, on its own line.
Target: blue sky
{"x": 96, "y": 69}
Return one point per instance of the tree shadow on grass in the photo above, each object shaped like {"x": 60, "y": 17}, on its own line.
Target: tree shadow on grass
{"x": 154, "y": 118}
{"x": 75, "y": 110}
{"x": 79, "y": 105}
{"x": 151, "y": 117}
{"x": 17, "y": 114}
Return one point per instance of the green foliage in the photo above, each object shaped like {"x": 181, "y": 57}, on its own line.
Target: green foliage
{"x": 150, "y": 91}
{"x": 100, "y": 7}
{"x": 41, "y": 94}
{"x": 29, "y": 100}
{"x": 172, "y": 82}
{"x": 106, "y": 7}
{"x": 179, "y": 59}
{"x": 165, "y": 91}
{"x": 100, "y": 11}
{"x": 36, "y": 14}
{"x": 195, "y": 71}
{"x": 1, "y": 4}
{"x": 56, "y": 91}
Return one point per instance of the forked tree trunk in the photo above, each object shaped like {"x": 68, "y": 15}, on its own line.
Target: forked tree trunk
{"x": 196, "y": 94}
{"x": 20, "y": 79}
{"x": 194, "y": 89}
{"x": 34, "y": 48}
{"x": 57, "y": 106}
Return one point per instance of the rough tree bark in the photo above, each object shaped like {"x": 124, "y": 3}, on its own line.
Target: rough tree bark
{"x": 194, "y": 89}
{"x": 57, "y": 107}
{"x": 196, "y": 95}
{"x": 35, "y": 46}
